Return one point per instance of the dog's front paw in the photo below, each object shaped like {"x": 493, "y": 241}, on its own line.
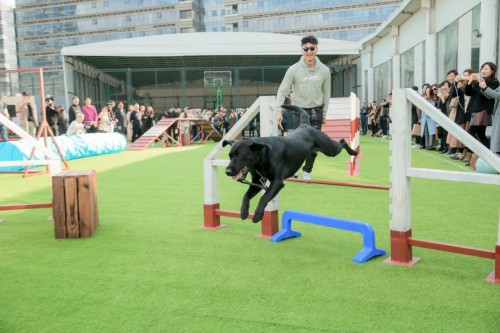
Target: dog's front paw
{"x": 257, "y": 216}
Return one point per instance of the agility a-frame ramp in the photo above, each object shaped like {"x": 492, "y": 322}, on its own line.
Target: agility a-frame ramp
{"x": 165, "y": 127}
{"x": 402, "y": 173}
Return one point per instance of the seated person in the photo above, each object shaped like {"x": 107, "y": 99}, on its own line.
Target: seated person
{"x": 77, "y": 127}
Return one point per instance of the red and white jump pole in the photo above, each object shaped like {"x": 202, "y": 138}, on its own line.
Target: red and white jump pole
{"x": 355, "y": 121}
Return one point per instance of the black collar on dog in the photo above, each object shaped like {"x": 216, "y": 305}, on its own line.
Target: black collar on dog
{"x": 262, "y": 181}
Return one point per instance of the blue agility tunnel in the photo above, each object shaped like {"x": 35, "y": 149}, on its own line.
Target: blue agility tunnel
{"x": 72, "y": 147}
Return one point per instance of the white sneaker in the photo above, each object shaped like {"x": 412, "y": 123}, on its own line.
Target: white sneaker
{"x": 306, "y": 175}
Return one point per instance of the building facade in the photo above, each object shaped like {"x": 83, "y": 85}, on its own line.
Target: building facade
{"x": 8, "y": 54}
{"x": 44, "y": 27}
{"x": 425, "y": 39}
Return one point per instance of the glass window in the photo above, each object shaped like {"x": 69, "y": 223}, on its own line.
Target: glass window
{"x": 223, "y": 12}
{"x": 476, "y": 41}
{"x": 423, "y": 61}
{"x": 365, "y": 86}
{"x": 158, "y": 15}
{"x": 407, "y": 68}
{"x": 383, "y": 80}
{"x": 214, "y": 12}
{"x": 447, "y": 50}
{"x": 94, "y": 22}
{"x": 186, "y": 14}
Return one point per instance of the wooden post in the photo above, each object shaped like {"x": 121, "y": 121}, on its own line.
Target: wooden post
{"x": 269, "y": 224}
{"x": 75, "y": 210}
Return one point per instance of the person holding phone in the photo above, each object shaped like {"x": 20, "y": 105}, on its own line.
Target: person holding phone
{"x": 494, "y": 95}
{"x": 480, "y": 106}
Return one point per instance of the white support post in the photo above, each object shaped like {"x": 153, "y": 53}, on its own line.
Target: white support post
{"x": 400, "y": 162}
{"x": 269, "y": 127}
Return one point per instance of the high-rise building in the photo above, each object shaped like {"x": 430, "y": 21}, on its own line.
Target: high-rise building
{"x": 8, "y": 55}
{"x": 46, "y": 26}
{"x": 336, "y": 19}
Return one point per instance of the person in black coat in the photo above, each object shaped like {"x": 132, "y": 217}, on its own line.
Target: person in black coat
{"x": 120, "y": 115}
{"x": 52, "y": 115}
{"x": 481, "y": 107}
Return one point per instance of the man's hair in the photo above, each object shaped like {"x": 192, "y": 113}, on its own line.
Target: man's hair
{"x": 309, "y": 39}
{"x": 454, "y": 71}
{"x": 414, "y": 88}
{"x": 444, "y": 83}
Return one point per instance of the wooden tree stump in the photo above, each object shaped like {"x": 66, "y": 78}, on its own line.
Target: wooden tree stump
{"x": 75, "y": 203}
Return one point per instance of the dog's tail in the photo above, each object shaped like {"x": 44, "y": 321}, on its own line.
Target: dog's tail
{"x": 304, "y": 117}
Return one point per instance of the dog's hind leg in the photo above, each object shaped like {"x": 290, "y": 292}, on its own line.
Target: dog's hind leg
{"x": 330, "y": 147}
{"x": 348, "y": 148}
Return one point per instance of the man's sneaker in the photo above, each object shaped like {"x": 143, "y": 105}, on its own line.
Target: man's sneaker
{"x": 306, "y": 175}
{"x": 296, "y": 175}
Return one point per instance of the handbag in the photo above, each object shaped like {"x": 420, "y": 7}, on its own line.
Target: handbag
{"x": 416, "y": 130}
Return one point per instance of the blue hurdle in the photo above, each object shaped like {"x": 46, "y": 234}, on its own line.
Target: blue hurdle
{"x": 366, "y": 230}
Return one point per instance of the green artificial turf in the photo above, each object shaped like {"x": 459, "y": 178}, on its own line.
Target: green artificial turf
{"x": 150, "y": 267}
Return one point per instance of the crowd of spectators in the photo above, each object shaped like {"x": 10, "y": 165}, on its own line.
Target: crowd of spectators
{"x": 132, "y": 121}
{"x": 375, "y": 119}
{"x": 469, "y": 99}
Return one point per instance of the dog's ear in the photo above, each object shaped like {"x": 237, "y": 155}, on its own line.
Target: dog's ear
{"x": 256, "y": 146}
{"x": 227, "y": 142}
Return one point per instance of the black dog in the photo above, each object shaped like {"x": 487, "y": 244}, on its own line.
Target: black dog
{"x": 276, "y": 158}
